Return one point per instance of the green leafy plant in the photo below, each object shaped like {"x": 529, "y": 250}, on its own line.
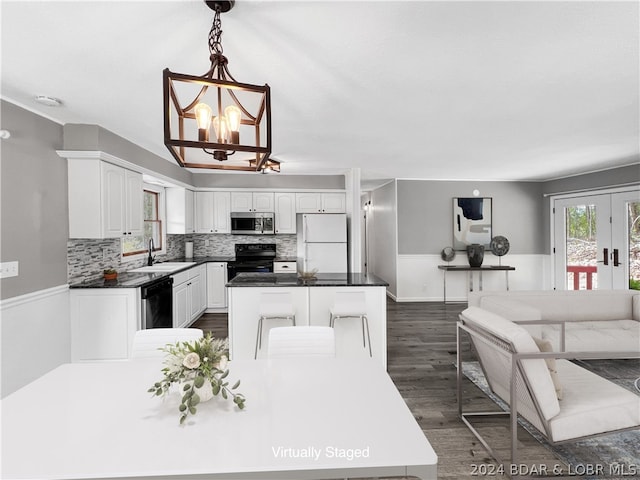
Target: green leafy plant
{"x": 634, "y": 284}
{"x": 198, "y": 366}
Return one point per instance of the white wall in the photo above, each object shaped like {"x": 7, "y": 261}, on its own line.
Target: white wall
{"x": 35, "y": 336}
{"x": 382, "y": 234}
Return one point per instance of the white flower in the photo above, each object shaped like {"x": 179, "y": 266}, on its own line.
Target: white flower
{"x": 222, "y": 364}
{"x": 192, "y": 361}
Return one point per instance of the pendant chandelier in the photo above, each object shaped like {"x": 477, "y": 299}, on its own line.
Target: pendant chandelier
{"x": 224, "y": 124}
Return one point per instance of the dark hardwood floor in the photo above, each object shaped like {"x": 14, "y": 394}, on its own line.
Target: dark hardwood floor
{"x": 421, "y": 361}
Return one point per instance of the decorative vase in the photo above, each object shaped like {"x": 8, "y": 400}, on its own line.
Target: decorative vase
{"x": 204, "y": 392}
{"x": 111, "y": 276}
{"x": 475, "y": 253}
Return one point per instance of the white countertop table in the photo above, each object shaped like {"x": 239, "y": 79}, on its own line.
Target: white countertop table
{"x": 304, "y": 419}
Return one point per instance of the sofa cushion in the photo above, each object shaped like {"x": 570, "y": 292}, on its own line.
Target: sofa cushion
{"x": 545, "y": 347}
{"x": 591, "y": 405}
{"x": 497, "y": 364}
{"x": 636, "y": 307}
{"x": 598, "y": 336}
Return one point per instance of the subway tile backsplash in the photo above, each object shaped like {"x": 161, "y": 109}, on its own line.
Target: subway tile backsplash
{"x": 87, "y": 258}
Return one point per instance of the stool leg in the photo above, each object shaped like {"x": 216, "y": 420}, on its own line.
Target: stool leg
{"x": 331, "y": 320}
{"x": 258, "y": 338}
{"x": 366, "y": 320}
{"x": 293, "y": 318}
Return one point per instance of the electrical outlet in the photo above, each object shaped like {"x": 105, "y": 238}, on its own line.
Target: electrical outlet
{"x": 8, "y": 269}
{"x": 206, "y": 242}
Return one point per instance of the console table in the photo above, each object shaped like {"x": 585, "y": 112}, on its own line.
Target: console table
{"x": 465, "y": 268}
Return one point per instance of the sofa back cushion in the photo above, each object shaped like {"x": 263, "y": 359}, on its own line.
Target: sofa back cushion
{"x": 514, "y": 310}
{"x": 496, "y": 364}
{"x": 570, "y": 305}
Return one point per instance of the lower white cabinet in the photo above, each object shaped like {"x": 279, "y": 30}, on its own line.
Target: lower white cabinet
{"x": 103, "y": 323}
{"x": 189, "y": 296}
{"x": 216, "y": 285}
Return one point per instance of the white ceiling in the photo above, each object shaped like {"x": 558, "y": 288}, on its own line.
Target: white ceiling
{"x": 418, "y": 89}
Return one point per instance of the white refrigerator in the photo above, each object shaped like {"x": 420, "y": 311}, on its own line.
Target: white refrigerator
{"x": 322, "y": 242}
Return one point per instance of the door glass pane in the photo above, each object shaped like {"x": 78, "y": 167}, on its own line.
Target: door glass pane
{"x": 582, "y": 247}
{"x": 633, "y": 209}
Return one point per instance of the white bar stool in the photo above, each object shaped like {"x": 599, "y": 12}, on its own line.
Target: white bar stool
{"x": 277, "y": 305}
{"x": 351, "y": 305}
{"x": 148, "y": 343}
{"x": 301, "y": 342}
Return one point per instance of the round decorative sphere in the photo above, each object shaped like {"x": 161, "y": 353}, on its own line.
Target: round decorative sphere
{"x": 447, "y": 254}
{"x": 499, "y": 245}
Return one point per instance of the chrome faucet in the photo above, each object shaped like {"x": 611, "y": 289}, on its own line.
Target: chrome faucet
{"x": 151, "y": 257}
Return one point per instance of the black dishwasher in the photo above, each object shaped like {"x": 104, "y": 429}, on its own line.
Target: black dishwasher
{"x": 157, "y": 304}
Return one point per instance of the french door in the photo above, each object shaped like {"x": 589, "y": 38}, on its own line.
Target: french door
{"x": 597, "y": 241}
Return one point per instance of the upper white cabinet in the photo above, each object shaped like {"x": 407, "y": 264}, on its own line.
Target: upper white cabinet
{"x": 213, "y": 212}
{"x": 105, "y": 200}
{"x": 180, "y": 210}
{"x": 134, "y": 204}
{"x": 320, "y": 203}
{"x": 204, "y": 212}
{"x": 221, "y": 212}
{"x": 252, "y": 201}
{"x": 285, "y": 212}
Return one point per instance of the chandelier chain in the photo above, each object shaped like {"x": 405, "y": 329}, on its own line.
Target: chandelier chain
{"x": 215, "y": 34}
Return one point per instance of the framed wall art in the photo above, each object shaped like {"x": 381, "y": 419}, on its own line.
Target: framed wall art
{"x": 471, "y": 221}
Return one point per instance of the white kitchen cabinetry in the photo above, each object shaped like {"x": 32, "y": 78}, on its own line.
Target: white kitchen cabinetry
{"x": 180, "y": 210}
{"x": 213, "y": 212}
{"x": 252, "y": 201}
{"x": 189, "y": 297}
{"x": 105, "y": 200}
{"x": 285, "y": 212}
{"x": 134, "y": 204}
{"x": 284, "y": 267}
{"x": 204, "y": 212}
{"x": 221, "y": 212}
{"x": 320, "y": 203}
{"x": 216, "y": 285}
{"x": 103, "y": 323}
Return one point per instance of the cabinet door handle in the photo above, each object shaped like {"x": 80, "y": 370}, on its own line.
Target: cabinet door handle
{"x": 616, "y": 258}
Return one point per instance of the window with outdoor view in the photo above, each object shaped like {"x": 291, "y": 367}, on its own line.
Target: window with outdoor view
{"x": 152, "y": 227}
{"x": 152, "y": 222}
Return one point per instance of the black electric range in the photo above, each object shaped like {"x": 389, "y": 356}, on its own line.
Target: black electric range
{"x": 252, "y": 257}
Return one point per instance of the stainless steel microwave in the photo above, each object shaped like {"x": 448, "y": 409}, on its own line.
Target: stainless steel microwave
{"x": 253, "y": 223}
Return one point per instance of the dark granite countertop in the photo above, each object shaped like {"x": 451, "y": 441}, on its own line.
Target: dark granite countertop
{"x": 292, "y": 280}
{"x": 140, "y": 279}
{"x": 286, "y": 259}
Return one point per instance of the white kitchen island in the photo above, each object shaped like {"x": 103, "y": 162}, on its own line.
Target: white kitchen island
{"x": 311, "y": 301}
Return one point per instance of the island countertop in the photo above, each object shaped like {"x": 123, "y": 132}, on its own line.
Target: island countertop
{"x": 263, "y": 279}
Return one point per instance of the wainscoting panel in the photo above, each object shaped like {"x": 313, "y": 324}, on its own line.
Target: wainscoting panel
{"x": 35, "y": 336}
{"x": 420, "y": 280}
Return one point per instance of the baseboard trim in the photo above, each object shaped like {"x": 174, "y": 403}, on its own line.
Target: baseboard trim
{"x": 32, "y": 296}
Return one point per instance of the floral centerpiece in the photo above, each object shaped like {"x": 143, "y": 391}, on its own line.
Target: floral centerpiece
{"x": 200, "y": 367}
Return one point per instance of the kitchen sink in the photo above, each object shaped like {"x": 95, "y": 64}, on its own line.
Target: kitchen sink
{"x": 163, "y": 267}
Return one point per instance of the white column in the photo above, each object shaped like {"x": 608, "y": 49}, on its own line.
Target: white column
{"x": 352, "y": 186}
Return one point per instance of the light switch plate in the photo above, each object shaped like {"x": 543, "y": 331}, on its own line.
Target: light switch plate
{"x": 8, "y": 269}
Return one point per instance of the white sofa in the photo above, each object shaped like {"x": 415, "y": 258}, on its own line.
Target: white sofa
{"x": 564, "y": 401}
{"x": 594, "y": 320}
